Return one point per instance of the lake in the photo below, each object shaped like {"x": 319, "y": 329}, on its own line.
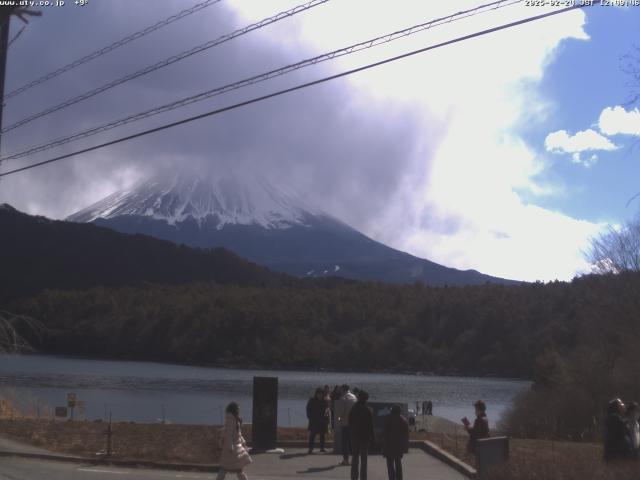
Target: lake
{"x": 149, "y": 392}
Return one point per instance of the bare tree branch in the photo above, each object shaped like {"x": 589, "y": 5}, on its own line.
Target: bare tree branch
{"x": 14, "y": 330}
{"x": 617, "y": 250}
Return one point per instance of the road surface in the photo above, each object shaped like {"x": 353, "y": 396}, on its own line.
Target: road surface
{"x": 295, "y": 463}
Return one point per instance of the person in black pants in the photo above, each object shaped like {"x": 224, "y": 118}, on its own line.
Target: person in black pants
{"x": 395, "y": 442}
{"x": 361, "y": 424}
{"x": 318, "y": 421}
{"x": 617, "y": 439}
{"x": 342, "y": 410}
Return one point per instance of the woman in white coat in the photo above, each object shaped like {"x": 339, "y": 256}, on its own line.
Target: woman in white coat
{"x": 234, "y": 456}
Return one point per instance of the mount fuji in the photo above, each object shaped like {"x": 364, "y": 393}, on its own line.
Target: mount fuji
{"x": 264, "y": 223}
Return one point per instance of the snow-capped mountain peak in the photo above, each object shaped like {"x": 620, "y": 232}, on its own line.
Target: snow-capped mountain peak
{"x": 225, "y": 198}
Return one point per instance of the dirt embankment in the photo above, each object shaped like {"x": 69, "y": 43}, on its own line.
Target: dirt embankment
{"x": 7, "y": 410}
{"x": 155, "y": 442}
{"x": 198, "y": 444}
{"x": 532, "y": 459}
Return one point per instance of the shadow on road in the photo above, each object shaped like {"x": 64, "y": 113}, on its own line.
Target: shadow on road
{"x": 317, "y": 469}
{"x": 289, "y": 456}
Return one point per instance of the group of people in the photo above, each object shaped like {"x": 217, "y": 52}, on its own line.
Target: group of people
{"x": 352, "y": 419}
{"x": 355, "y": 420}
{"x": 622, "y": 431}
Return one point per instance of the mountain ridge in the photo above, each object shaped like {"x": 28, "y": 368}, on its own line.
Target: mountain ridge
{"x": 266, "y": 224}
{"x": 38, "y": 253}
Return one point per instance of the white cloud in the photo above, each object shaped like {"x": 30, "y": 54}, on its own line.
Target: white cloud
{"x": 466, "y": 213}
{"x": 585, "y": 162}
{"x": 529, "y": 243}
{"x": 586, "y": 140}
{"x": 459, "y": 200}
{"x": 617, "y": 120}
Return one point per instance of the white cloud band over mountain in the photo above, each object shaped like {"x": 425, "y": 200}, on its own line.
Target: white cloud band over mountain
{"x": 422, "y": 154}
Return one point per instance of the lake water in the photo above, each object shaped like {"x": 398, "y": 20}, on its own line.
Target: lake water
{"x": 145, "y": 391}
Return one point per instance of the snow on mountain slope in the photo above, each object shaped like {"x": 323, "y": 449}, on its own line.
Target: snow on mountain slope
{"x": 263, "y": 223}
{"x": 225, "y": 197}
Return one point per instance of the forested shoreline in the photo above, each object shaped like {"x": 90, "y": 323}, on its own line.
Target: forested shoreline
{"x": 479, "y": 330}
{"x": 97, "y": 293}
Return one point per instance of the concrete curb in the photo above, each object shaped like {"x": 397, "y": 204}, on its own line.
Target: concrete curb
{"x": 197, "y": 467}
{"x": 435, "y": 451}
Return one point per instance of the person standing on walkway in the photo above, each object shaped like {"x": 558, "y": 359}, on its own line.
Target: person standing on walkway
{"x": 617, "y": 438}
{"x": 343, "y": 408}
{"x": 318, "y": 420}
{"x": 361, "y": 424}
{"x": 631, "y": 419}
{"x": 480, "y": 427}
{"x": 395, "y": 442}
{"x": 234, "y": 456}
{"x": 326, "y": 397}
{"x": 335, "y": 395}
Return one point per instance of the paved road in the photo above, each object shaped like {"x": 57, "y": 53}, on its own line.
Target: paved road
{"x": 293, "y": 464}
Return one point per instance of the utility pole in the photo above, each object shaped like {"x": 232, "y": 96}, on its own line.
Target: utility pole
{"x": 5, "y": 20}
{"x": 4, "y": 46}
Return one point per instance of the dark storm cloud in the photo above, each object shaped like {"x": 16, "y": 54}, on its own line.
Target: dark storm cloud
{"x": 348, "y": 154}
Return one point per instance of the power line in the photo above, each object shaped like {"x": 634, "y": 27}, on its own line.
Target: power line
{"x": 264, "y": 77}
{"x": 111, "y": 47}
{"x": 300, "y": 87}
{"x": 166, "y": 62}
{"x": 15, "y": 37}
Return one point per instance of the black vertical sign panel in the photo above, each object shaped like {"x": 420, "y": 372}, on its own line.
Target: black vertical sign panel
{"x": 265, "y": 413}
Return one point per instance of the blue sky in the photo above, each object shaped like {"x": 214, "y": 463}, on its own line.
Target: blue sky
{"x": 583, "y": 79}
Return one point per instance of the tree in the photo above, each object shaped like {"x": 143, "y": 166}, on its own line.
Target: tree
{"x": 14, "y": 330}
{"x": 617, "y": 250}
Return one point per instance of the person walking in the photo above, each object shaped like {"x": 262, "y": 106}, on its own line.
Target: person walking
{"x": 617, "y": 441}
{"x": 361, "y": 424}
{"x": 318, "y": 420}
{"x": 343, "y": 408}
{"x": 234, "y": 456}
{"x": 480, "y": 427}
{"x": 395, "y": 442}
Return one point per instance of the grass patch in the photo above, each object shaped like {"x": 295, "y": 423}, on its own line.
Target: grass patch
{"x": 545, "y": 460}
{"x": 137, "y": 441}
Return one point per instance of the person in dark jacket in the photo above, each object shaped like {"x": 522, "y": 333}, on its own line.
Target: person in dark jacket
{"x": 395, "y": 442}
{"x": 336, "y": 393}
{"x": 361, "y": 425}
{"x": 480, "y": 427}
{"x": 617, "y": 440}
{"x": 318, "y": 421}
{"x": 631, "y": 416}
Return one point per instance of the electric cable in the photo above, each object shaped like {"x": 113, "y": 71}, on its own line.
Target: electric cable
{"x": 111, "y": 47}
{"x": 166, "y": 62}
{"x": 370, "y": 43}
{"x": 299, "y": 87}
